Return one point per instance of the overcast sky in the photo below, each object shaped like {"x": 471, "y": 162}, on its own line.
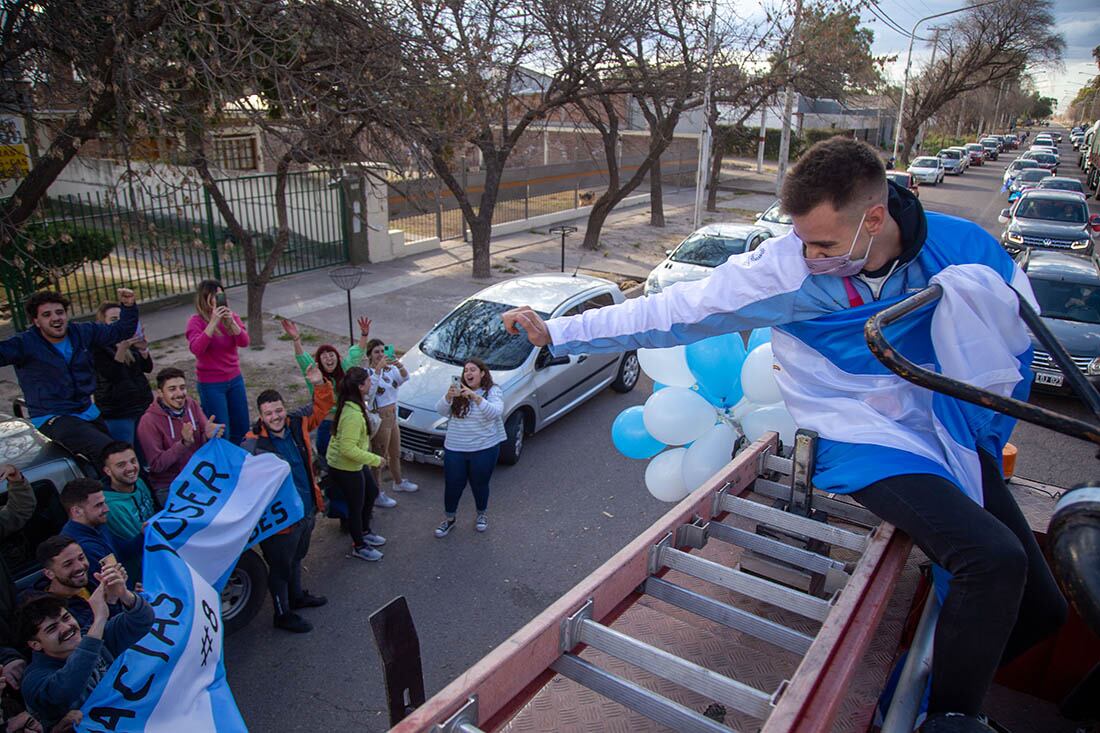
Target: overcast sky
{"x": 1078, "y": 21}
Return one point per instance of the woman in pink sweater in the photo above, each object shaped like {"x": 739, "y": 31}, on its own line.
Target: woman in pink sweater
{"x": 214, "y": 335}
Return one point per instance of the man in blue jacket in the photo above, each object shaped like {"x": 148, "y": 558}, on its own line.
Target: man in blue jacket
{"x": 54, "y": 362}
{"x": 924, "y": 462}
{"x": 83, "y": 499}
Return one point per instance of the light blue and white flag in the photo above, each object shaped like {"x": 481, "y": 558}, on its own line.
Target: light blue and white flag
{"x": 224, "y": 501}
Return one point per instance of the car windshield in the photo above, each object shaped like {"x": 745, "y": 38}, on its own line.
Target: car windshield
{"x": 902, "y": 179}
{"x": 1067, "y": 301}
{"x": 1062, "y": 184}
{"x": 1031, "y": 175}
{"x": 926, "y": 163}
{"x": 1067, "y": 212}
{"x": 775, "y": 215}
{"x": 974, "y": 147}
{"x": 707, "y": 250}
{"x": 474, "y": 329}
{"x": 1021, "y": 164}
{"x": 953, "y": 154}
{"x": 1042, "y": 158}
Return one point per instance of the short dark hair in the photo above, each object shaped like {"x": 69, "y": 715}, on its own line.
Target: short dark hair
{"x": 169, "y": 373}
{"x": 36, "y": 610}
{"x": 41, "y": 298}
{"x": 117, "y": 446}
{"x": 837, "y": 171}
{"x": 78, "y": 490}
{"x": 51, "y": 547}
{"x": 268, "y": 395}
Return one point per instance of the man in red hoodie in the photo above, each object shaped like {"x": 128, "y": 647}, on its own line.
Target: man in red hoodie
{"x": 172, "y": 429}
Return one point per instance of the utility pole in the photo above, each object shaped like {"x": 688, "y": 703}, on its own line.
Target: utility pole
{"x": 997, "y": 107}
{"x": 788, "y": 106}
{"x": 932, "y": 65}
{"x": 763, "y": 137}
{"x": 703, "y": 172}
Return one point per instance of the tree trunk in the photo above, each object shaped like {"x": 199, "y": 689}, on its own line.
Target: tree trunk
{"x": 481, "y": 230}
{"x": 255, "y": 309}
{"x": 720, "y": 139}
{"x": 656, "y": 196}
{"x": 596, "y": 218}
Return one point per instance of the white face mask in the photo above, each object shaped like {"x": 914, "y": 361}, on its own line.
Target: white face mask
{"x": 842, "y": 265}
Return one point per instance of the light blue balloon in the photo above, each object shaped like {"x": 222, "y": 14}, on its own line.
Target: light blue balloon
{"x": 657, "y": 387}
{"x": 758, "y": 337}
{"x": 716, "y": 364}
{"x": 630, "y": 437}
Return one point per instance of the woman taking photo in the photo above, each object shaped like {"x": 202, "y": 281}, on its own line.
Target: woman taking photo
{"x": 349, "y": 459}
{"x": 122, "y": 390}
{"x": 214, "y": 334}
{"x": 475, "y": 431}
{"x": 386, "y": 375}
{"x": 332, "y": 367}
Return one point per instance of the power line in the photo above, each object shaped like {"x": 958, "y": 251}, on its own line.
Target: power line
{"x": 881, "y": 14}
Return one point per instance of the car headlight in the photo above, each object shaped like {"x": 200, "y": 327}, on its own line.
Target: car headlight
{"x": 1080, "y": 244}
{"x": 1015, "y": 238}
{"x": 1094, "y": 367}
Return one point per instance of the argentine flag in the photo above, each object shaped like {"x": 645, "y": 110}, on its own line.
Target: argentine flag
{"x": 224, "y": 501}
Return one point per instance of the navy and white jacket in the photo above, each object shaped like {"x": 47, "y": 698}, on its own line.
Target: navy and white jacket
{"x": 872, "y": 423}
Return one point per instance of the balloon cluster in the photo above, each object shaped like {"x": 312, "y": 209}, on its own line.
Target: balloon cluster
{"x": 705, "y": 396}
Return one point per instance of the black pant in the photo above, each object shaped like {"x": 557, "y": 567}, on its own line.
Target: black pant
{"x": 86, "y": 438}
{"x": 359, "y": 492}
{"x": 1002, "y": 598}
{"x": 284, "y": 554}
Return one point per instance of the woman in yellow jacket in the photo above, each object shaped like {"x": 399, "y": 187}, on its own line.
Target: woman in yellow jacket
{"x": 350, "y": 460}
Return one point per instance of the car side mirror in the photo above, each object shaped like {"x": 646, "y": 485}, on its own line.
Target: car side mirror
{"x": 546, "y": 360}
{"x": 668, "y": 252}
{"x": 1004, "y": 216}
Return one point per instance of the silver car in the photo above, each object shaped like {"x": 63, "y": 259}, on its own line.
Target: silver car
{"x": 702, "y": 251}
{"x": 775, "y": 221}
{"x": 538, "y": 387}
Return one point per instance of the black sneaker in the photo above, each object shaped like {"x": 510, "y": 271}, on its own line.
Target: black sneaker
{"x": 293, "y": 622}
{"x": 307, "y": 600}
{"x": 445, "y": 527}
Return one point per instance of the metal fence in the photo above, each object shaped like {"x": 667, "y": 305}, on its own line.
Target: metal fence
{"x": 163, "y": 243}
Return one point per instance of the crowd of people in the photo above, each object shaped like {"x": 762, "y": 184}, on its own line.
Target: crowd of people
{"x": 86, "y": 386}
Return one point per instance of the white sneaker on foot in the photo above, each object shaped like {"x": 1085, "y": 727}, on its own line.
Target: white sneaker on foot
{"x": 405, "y": 485}
{"x": 387, "y": 502}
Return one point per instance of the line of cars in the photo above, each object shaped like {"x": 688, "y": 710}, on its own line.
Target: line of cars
{"x": 956, "y": 160}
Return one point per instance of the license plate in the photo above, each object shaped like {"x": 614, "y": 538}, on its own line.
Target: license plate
{"x": 407, "y": 455}
{"x": 1053, "y": 380}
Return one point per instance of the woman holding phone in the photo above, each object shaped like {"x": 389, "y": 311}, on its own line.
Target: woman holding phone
{"x": 387, "y": 374}
{"x": 214, "y": 334}
{"x": 475, "y": 431}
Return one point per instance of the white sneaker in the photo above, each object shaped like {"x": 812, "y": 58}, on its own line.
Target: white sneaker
{"x": 405, "y": 485}
{"x": 386, "y": 502}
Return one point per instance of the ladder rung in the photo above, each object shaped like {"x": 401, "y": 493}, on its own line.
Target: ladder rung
{"x": 779, "y": 464}
{"x": 706, "y": 682}
{"x": 639, "y": 699}
{"x": 794, "y": 523}
{"x": 773, "y": 548}
{"x": 841, "y": 509}
{"x": 772, "y": 489}
{"x": 727, "y": 615}
{"x": 745, "y": 584}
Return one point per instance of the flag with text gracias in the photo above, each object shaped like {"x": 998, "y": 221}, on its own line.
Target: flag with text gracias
{"x": 223, "y": 502}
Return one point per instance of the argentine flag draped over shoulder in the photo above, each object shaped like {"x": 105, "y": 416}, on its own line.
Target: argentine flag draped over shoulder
{"x": 224, "y": 501}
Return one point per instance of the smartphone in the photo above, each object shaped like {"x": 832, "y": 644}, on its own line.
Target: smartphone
{"x": 139, "y": 332}
{"x": 456, "y": 382}
{"x": 388, "y": 351}
{"x": 107, "y": 560}
{"x": 220, "y": 299}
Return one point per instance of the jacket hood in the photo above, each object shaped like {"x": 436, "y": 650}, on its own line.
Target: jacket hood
{"x": 906, "y": 210}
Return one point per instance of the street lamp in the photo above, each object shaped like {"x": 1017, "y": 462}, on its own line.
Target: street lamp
{"x": 909, "y": 63}
{"x": 564, "y": 231}
{"x": 346, "y": 278}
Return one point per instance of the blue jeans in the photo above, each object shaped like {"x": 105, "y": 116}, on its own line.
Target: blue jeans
{"x": 227, "y": 403}
{"x": 473, "y": 467}
{"x": 125, "y": 429}
{"x": 324, "y": 435}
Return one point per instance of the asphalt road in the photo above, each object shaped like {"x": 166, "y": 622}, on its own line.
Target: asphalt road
{"x": 568, "y": 506}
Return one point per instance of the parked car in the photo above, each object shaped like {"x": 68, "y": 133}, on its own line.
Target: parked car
{"x": 1025, "y": 180}
{"x": 954, "y": 161}
{"x": 774, "y": 220}
{"x": 976, "y": 153}
{"x": 1062, "y": 183}
{"x": 1067, "y": 289}
{"x": 1045, "y": 160}
{"x": 992, "y": 147}
{"x": 965, "y": 155}
{"x": 1013, "y": 169}
{"x": 702, "y": 251}
{"x": 48, "y": 467}
{"x": 927, "y": 169}
{"x": 1057, "y": 220}
{"x": 538, "y": 387}
{"x": 905, "y": 180}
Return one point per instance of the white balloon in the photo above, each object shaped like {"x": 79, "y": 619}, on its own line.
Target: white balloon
{"x": 769, "y": 417}
{"x": 758, "y": 376}
{"x": 708, "y": 454}
{"x": 667, "y": 366}
{"x": 742, "y": 408}
{"x": 664, "y": 477}
{"x": 676, "y": 415}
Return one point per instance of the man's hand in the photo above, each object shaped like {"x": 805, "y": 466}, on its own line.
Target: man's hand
{"x": 98, "y": 601}
{"x": 13, "y": 673}
{"x": 113, "y": 582}
{"x": 9, "y": 473}
{"x": 213, "y": 429}
{"x": 313, "y": 374}
{"x": 364, "y": 326}
{"x": 69, "y": 722}
{"x": 23, "y": 722}
{"x": 126, "y": 296}
{"x": 290, "y": 328}
{"x": 188, "y": 433}
{"x": 525, "y": 320}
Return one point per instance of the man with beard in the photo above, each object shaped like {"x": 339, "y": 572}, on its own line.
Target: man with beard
{"x": 66, "y": 664}
{"x": 83, "y": 499}
{"x": 129, "y": 501}
{"x": 286, "y": 434}
{"x": 66, "y": 568}
{"x": 172, "y": 429}
{"x": 54, "y": 362}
